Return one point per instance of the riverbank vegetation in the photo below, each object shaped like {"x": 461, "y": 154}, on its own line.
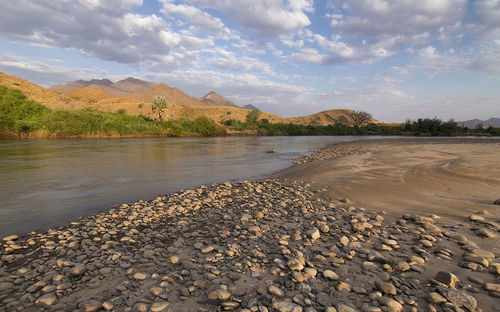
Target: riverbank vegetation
{"x": 21, "y": 117}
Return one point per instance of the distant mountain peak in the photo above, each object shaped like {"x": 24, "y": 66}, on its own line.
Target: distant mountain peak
{"x": 249, "y": 106}
{"x": 213, "y": 98}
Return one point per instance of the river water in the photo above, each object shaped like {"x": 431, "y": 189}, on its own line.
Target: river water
{"x": 48, "y": 183}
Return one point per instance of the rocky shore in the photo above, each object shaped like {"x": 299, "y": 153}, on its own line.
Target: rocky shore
{"x": 271, "y": 245}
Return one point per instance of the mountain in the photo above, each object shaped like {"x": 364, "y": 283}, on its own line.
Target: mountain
{"x": 123, "y": 87}
{"x": 78, "y": 84}
{"x": 215, "y": 99}
{"x": 494, "y": 122}
{"x": 325, "y": 118}
{"x": 173, "y": 95}
{"x": 249, "y": 106}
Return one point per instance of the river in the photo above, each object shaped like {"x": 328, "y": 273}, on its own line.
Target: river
{"x": 48, "y": 183}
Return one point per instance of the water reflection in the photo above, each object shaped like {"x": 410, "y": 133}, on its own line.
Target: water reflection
{"x": 46, "y": 183}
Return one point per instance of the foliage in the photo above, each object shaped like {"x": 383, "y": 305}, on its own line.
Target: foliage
{"x": 19, "y": 113}
{"x": 159, "y": 106}
{"x": 359, "y": 118}
{"x": 252, "y": 117}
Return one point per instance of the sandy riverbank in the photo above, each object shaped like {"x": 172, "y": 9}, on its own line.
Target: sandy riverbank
{"x": 283, "y": 245}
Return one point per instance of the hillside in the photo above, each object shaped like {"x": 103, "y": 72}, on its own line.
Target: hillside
{"x": 89, "y": 95}
{"x": 215, "y": 99}
{"x": 494, "y": 122}
{"x": 34, "y": 92}
{"x": 324, "y": 118}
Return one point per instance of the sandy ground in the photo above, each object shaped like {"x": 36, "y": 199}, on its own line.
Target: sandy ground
{"x": 406, "y": 176}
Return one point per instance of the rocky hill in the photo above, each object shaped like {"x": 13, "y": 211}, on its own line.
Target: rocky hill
{"x": 325, "y": 118}
{"x": 215, "y": 99}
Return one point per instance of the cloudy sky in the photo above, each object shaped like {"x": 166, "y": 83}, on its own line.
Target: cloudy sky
{"x": 397, "y": 59}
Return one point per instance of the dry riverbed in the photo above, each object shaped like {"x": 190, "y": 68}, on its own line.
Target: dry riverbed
{"x": 271, "y": 245}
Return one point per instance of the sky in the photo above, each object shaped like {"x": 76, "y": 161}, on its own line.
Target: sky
{"x": 398, "y": 60}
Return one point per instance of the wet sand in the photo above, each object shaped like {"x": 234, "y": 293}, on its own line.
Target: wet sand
{"x": 430, "y": 176}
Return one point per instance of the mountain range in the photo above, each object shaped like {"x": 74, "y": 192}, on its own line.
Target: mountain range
{"x": 494, "y": 122}
{"x": 134, "y": 97}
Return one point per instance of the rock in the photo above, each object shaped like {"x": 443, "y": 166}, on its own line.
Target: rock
{"x": 458, "y": 298}
{"x": 479, "y": 260}
{"x": 344, "y": 240}
{"x": 10, "y": 238}
{"x": 447, "y": 278}
{"x": 36, "y": 286}
{"x": 140, "y": 276}
{"x": 386, "y": 288}
{"x": 6, "y": 285}
{"x": 314, "y": 233}
{"x": 219, "y": 294}
{"x": 391, "y": 303}
{"x": 286, "y": 306}
{"x": 434, "y": 297}
{"x": 78, "y": 269}
{"x": 160, "y": 306}
{"x": 295, "y": 265}
{"x": 108, "y": 305}
{"x": 374, "y": 256}
{"x": 275, "y": 291}
{"x": 46, "y": 301}
{"x": 494, "y": 268}
{"x": 476, "y": 217}
{"x": 174, "y": 259}
{"x": 358, "y": 227}
{"x": 329, "y": 274}
{"x": 310, "y": 272}
{"x": 345, "y": 308}
{"x": 485, "y": 233}
{"x": 140, "y": 307}
{"x": 492, "y": 287}
{"x": 402, "y": 266}
{"x": 91, "y": 305}
{"x": 431, "y": 227}
{"x": 343, "y": 286}
{"x": 207, "y": 249}
{"x": 496, "y": 202}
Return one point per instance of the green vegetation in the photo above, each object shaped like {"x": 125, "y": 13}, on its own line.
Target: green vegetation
{"x": 20, "y": 116}
{"x": 24, "y": 117}
{"x": 159, "y": 106}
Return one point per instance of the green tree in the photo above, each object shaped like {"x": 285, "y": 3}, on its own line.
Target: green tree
{"x": 253, "y": 116}
{"x": 160, "y": 105}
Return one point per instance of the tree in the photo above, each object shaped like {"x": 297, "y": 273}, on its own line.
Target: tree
{"x": 159, "y": 106}
{"x": 359, "y": 118}
{"x": 253, "y": 116}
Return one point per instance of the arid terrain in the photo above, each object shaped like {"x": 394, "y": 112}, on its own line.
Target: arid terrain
{"x": 374, "y": 226}
{"x": 134, "y": 97}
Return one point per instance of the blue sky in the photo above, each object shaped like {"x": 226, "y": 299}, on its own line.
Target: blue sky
{"x": 396, "y": 59}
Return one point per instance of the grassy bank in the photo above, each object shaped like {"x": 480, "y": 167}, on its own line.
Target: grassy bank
{"x": 24, "y": 118}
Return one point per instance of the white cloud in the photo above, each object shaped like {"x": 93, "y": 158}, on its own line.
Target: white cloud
{"x": 381, "y": 28}
{"x": 205, "y": 22}
{"x": 268, "y": 95}
{"x": 104, "y": 29}
{"x": 43, "y": 73}
{"x": 266, "y": 18}
{"x": 487, "y": 22}
{"x": 228, "y": 60}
